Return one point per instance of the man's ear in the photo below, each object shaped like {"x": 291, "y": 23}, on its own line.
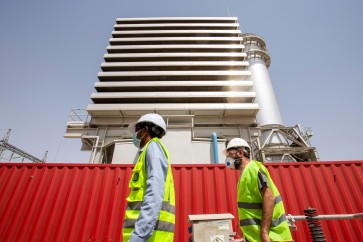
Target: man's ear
{"x": 240, "y": 153}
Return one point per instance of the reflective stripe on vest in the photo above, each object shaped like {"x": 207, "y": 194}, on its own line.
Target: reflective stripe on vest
{"x": 257, "y": 205}
{"x": 160, "y": 225}
{"x": 166, "y": 206}
{"x": 254, "y": 221}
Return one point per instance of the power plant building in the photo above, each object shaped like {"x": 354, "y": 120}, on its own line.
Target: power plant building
{"x": 209, "y": 82}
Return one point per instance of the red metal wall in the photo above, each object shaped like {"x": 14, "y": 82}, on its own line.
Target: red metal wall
{"x": 49, "y": 202}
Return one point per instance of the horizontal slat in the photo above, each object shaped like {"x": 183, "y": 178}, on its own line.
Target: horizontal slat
{"x": 143, "y": 95}
{"x": 167, "y": 86}
{"x": 172, "y": 75}
{"x": 200, "y": 56}
{"x": 174, "y": 84}
{"x": 147, "y": 47}
{"x": 177, "y": 26}
{"x": 174, "y": 97}
{"x": 142, "y": 32}
{"x": 227, "y": 54}
{"x": 178, "y": 20}
{"x": 175, "y": 66}
{"x": 172, "y": 106}
{"x": 198, "y": 40}
{"x": 175, "y": 63}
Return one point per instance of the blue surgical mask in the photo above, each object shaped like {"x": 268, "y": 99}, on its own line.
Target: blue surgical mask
{"x": 135, "y": 140}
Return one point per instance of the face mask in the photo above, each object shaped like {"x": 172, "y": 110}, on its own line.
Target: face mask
{"x": 229, "y": 162}
{"x": 233, "y": 163}
{"x": 135, "y": 140}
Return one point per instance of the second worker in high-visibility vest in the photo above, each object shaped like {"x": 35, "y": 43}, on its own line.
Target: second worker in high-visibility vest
{"x": 150, "y": 209}
{"x": 261, "y": 212}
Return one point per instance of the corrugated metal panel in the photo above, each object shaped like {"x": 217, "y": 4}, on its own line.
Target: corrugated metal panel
{"x": 44, "y": 202}
{"x": 331, "y": 188}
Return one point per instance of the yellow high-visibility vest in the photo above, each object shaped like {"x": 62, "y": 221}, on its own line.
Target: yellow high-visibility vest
{"x": 249, "y": 200}
{"x": 164, "y": 228}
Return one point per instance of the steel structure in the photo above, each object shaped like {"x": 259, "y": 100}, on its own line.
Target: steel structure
{"x": 201, "y": 74}
{"x": 5, "y": 146}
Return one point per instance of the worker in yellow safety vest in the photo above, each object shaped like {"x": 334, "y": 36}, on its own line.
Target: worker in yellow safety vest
{"x": 150, "y": 209}
{"x": 260, "y": 209}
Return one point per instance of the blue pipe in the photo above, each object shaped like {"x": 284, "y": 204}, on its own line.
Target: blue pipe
{"x": 215, "y": 148}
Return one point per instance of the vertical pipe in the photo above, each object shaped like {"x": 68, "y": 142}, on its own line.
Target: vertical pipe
{"x": 94, "y": 146}
{"x": 215, "y": 148}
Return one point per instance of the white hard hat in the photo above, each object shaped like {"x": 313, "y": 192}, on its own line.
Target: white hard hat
{"x": 236, "y": 142}
{"x": 150, "y": 118}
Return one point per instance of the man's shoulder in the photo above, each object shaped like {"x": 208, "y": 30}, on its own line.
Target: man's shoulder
{"x": 155, "y": 148}
{"x": 256, "y": 165}
{"x": 154, "y": 145}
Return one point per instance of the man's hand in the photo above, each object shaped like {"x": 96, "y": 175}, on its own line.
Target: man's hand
{"x": 264, "y": 236}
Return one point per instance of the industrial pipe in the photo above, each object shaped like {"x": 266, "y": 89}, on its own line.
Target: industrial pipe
{"x": 215, "y": 148}
{"x": 94, "y": 146}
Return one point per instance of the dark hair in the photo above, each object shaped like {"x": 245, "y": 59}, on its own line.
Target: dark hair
{"x": 154, "y": 130}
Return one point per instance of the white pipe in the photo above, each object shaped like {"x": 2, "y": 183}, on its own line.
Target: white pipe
{"x": 94, "y": 146}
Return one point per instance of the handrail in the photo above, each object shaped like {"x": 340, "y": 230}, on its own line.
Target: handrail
{"x": 79, "y": 115}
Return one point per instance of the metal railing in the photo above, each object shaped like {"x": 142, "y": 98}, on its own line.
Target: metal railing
{"x": 79, "y": 116}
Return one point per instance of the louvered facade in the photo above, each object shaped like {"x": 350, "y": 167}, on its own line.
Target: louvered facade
{"x": 192, "y": 71}
{"x": 174, "y": 66}
{"x": 195, "y": 72}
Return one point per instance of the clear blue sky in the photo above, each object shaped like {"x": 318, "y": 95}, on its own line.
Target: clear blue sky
{"x": 51, "y": 52}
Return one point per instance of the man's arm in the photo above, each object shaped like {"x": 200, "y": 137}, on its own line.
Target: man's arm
{"x": 156, "y": 169}
{"x": 268, "y": 202}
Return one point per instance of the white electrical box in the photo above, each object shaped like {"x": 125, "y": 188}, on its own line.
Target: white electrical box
{"x": 212, "y": 227}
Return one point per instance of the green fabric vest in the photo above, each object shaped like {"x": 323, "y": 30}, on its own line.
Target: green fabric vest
{"x": 164, "y": 228}
{"x": 249, "y": 200}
